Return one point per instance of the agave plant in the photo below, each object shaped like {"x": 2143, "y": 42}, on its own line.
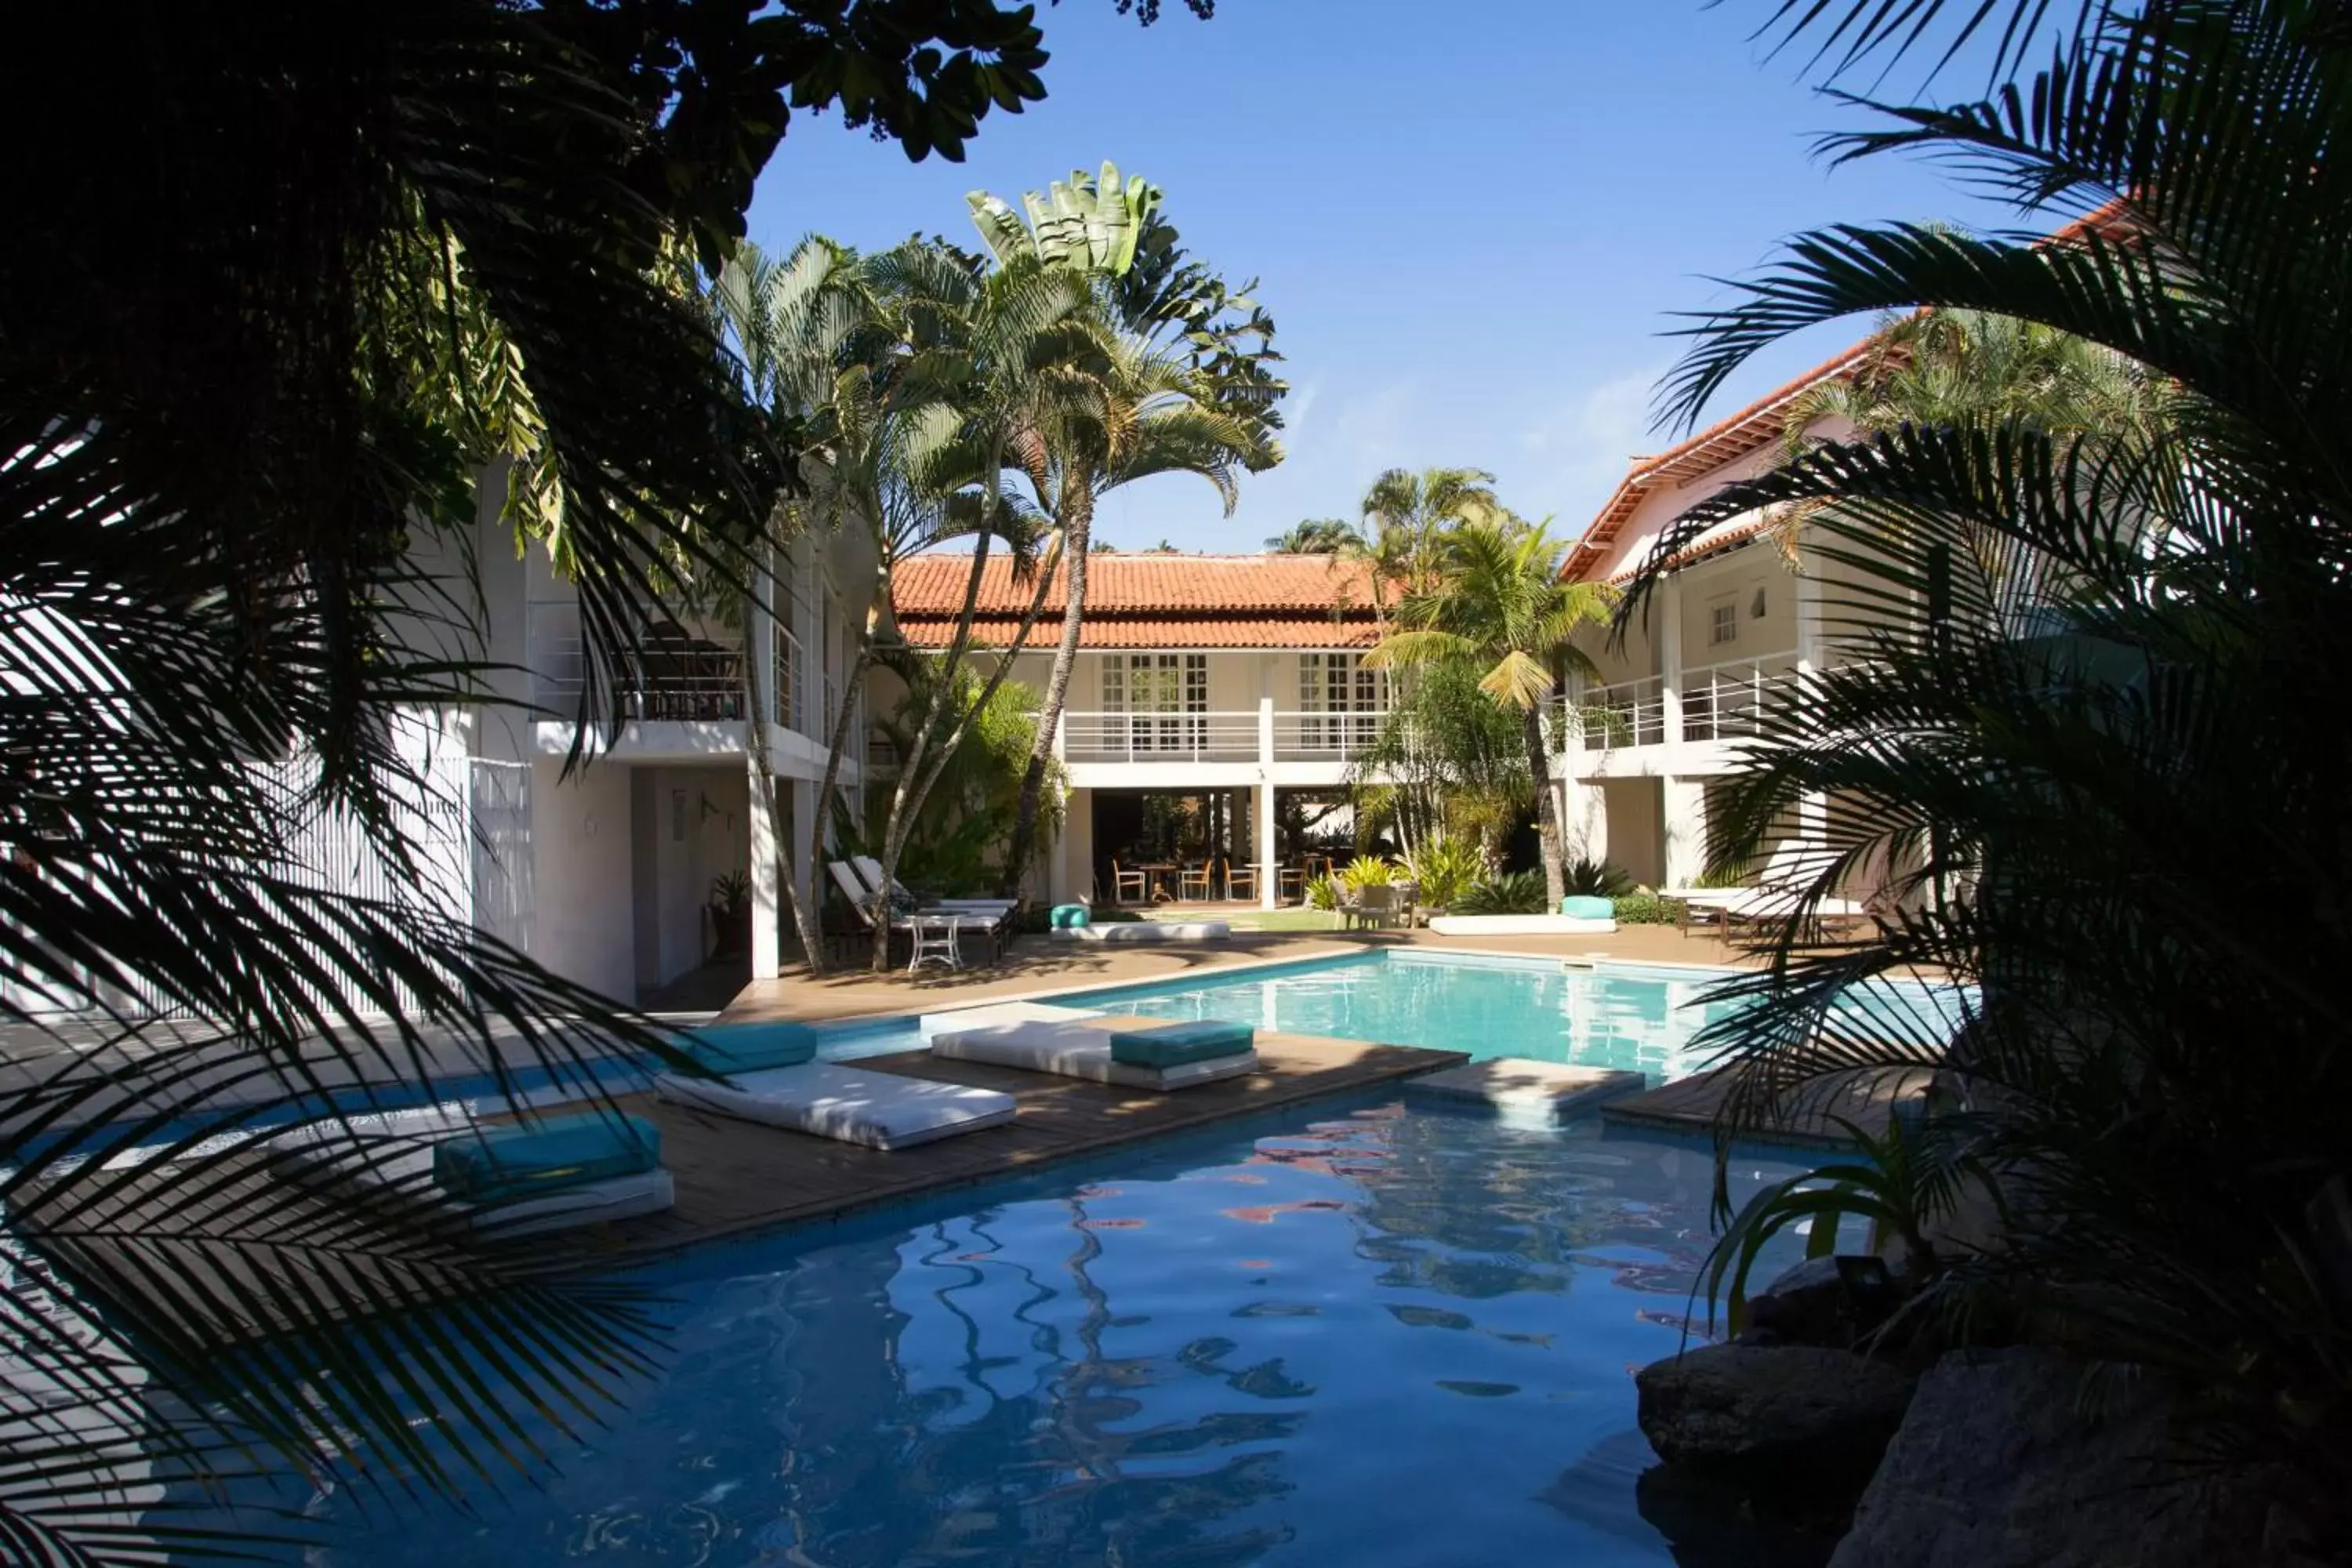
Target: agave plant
{"x": 1512, "y": 893}
{"x": 2063, "y": 655}
{"x": 1595, "y": 878}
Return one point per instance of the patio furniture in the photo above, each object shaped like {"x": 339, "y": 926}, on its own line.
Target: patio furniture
{"x": 1155, "y": 879}
{"x": 1141, "y": 1053}
{"x": 1126, "y": 885}
{"x": 771, "y": 1075}
{"x": 863, "y": 904}
{"x": 1290, "y": 883}
{"x": 869, "y": 871}
{"x": 1370, "y": 905}
{"x": 1241, "y": 881}
{"x": 1119, "y": 932}
{"x": 1519, "y": 925}
{"x": 935, "y": 941}
{"x": 1196, "y": 883}
{"x": 507, "y": 1180}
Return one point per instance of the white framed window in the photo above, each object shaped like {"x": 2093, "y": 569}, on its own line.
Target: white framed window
{"x": 1723, "y": 623}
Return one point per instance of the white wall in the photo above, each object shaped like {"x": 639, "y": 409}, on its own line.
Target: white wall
{"x": 581, "y": 875}
{"x": 689, "y": 826}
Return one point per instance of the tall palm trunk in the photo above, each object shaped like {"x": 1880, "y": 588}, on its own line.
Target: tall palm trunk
{"x": 835, "y": 742}
{"x": 1547, "y": 808}
{"x": 1077, "y": 531}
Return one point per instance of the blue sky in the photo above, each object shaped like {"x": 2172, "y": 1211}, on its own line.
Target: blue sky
{"x": 1472, "y": 223}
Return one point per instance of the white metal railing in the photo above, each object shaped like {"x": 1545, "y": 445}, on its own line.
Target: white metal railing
{"x": 1325, "y": 737}
{"x": 1159, "y": 737}
{"x": 1624, "y": 713}
{"x": 1721, "y": 700}
{"x": 790, "y": 707}
{"x": 679, "y": 676}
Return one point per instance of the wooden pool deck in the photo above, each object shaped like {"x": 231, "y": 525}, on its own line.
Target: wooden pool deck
{"x": 737, "y": 1178}
{"x": 1809, "y": 1118}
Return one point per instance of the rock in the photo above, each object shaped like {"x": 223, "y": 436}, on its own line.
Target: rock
{"x": 1712, "y": 1523}
{"x": 1992, "y": 1469}
{"x": 1798, "y": 1415}
{"x": 1805, "y": 1305}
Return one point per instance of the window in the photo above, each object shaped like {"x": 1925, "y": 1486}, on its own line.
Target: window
{"x": 1337, "y": 684}
{"x": 1155, "y": 684}
{"x": 1723, "y": 624}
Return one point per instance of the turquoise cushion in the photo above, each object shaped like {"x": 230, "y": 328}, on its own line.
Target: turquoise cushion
{"x": 731, "y": 1048}
{"x": 1173, "y": 1044}
{"x": 1069, "y": 917}
{"x": 1585, "y": 907}
{"x": 499, "y": 1164}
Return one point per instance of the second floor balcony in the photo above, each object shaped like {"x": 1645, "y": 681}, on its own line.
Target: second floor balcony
{"x": 1313, "y": 741}
{"x": 1712, "y": 703}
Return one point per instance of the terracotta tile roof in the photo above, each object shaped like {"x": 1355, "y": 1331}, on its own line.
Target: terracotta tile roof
{"x": 1151, "y": 601}
{"x": 1757, "y": 425}
{"x": 1155, "y": 631}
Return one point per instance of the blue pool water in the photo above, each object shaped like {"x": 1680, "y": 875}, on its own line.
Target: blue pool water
{"x": 1613, "y": 1015}
{"x": 1371, "y": 1336}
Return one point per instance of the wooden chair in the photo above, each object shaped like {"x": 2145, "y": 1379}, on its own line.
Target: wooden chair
{"x": 1126, "y": 883}
{"x": 1195, "y": 882}
{"x": 1289, "y": 884}
{"x": 1241, "y": 881}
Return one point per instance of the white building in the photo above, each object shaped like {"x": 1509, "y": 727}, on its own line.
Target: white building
{"x": 1734, "y": 619}
{"x": 1236, "y": 677}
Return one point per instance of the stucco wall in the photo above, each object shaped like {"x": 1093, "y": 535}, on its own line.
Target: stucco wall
{"x": 581, "y": 875}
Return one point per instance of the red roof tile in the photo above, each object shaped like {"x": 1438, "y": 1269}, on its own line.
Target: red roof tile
{"x": 1151, "y": 601}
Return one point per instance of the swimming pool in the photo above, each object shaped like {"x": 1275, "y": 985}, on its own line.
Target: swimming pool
{"x": 1369, "y": 1336}
{"x": 1637, "y": 1016}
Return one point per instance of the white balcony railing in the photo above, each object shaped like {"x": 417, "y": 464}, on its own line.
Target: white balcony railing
{"x": 674, "y": 674}
{"x": 1625, "y": 713}
{"x": 1325, "y": 737}
{"x": 1159, "y": 737}
{"x": 1722, "y": 701}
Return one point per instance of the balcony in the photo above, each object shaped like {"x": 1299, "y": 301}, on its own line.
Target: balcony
{"x": 1717, "y": 703}
{"x": 1611, "y": 717}
{"x": 675, "y": 676}
{"x": 1721, "y": 702}
{"x": 1225, "y": 737}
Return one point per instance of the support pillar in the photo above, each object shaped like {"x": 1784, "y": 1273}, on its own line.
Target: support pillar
{"x": 1584, "y": 818}
{"x": 765, "y": 898}
{"x": 1670, "y": 656}
{"x": 1266, "y": 866}
{"x": 1684, "y": 803}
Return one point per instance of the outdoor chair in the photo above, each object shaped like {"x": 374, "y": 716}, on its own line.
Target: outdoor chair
{"x": 1289, "y": 884}
{"x": 1126, "y": 885}
{"x": 916, "y": 925}
{"x": 1241, "y": 881}
{"x": 1194, "y": 882}
{"x": 1371, "y": 907}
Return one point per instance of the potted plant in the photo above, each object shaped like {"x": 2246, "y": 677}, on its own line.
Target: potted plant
{"x": 731, "y": 915}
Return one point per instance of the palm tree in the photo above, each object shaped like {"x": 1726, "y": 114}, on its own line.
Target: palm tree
{"x": 1181, "y": 384}
{"x": 2113, "y": 636}
{"x": 1491, "y": 595}
{"x": 416, "y": 249}
{"x": 1406, "y": 519}
{"x": 1316, "y": 536}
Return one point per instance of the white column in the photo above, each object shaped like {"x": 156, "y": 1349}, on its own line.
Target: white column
{"x": 764, "y": 890}
{"x": 1262, "y": 799}
{"x": 1814, "y": 808}
{"x": 1684, "y": 801}
{"x": 759, "y": 638}
{"x": 1670, "y": 658}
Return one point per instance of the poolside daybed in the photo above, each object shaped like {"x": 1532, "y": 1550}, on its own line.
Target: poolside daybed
{"x": 497, "y": 1179}
{"x": 1520, "y": 925}
{"x": 772, "y": 1077}
{"x": 1147, "y": 931}
{"x": 1141, "y": 1053}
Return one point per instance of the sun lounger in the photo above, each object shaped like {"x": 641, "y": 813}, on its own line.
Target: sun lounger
{"x": 991, "y": 928}
{"x": 1090, "y": 1049}
{"x": 774, "y": 1078}
{"x": 869, "y": 872}
{"x": 411, "y": 1151}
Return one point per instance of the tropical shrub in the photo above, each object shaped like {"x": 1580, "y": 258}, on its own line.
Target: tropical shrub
{"x": 1446, "y": 867}
{"x": 1323, "y": 893}
{"x": 1647, "y": 910}
{"x": 1595, "y": 878}
{"x": 1367, "y": 871}
{"x": 1513, "y": 893}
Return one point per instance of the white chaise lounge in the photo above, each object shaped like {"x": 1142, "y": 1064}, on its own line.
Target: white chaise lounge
{"x": 1084, "y": 1050}
{"x": 869, "y": 871}
{"x": 773, "y": 1078}
{"x": 985, "y": 926}
{"x": 401, "y": 1155}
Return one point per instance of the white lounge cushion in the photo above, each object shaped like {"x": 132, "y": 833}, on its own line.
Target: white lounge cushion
{"x": 402, "y": 1157}
{"x": 1148, "y": 930}
{"x": 1082, "y": 1050}
{"x": 1519, "y": 925}
{"x": 932, "y": 1023}
{"x": 846, "y": 1102}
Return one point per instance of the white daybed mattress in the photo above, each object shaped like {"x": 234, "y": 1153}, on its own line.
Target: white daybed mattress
{"x": 1148, "y": 930}
{"x": 845, "y": 1102}
{"x": 403, "y": 1158}
{"x": 1082, "y": 1050}
{"x": 1520, "y": 925}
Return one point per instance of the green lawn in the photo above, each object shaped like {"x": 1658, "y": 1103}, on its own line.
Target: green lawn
{"x": 1284, "y": 920}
